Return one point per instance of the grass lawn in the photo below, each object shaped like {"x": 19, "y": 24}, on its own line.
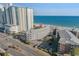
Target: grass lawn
{"x": 76, "y": 51}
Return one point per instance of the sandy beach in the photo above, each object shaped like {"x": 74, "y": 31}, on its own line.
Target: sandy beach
{"x": 60, "y": 27}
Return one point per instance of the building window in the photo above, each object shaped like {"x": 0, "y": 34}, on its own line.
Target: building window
{"x": 16, "y": 12}
{"x": 10, "y": 15}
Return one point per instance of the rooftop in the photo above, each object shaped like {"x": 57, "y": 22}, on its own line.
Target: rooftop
{"x": 67, "y": 37}
{"x": 18, "y": 7}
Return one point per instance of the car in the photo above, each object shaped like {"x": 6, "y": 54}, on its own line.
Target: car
{"x": 15, "y": 47}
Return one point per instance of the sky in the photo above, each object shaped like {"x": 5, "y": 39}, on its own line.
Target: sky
{"x": 53, "y": 9}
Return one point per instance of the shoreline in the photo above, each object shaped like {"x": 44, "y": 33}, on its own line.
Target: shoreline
{"x": 60, "y": 27}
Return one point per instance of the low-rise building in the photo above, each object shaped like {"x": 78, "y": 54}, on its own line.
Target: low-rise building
{"x": 35, "y": 34}
{"x": 67, "y": 41}
{"x": 39, "y": 33}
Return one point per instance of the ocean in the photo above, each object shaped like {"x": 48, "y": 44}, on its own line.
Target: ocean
{"x": 67, "y": 21}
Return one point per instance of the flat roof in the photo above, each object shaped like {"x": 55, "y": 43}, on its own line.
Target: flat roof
{"x": 67, "y": 37}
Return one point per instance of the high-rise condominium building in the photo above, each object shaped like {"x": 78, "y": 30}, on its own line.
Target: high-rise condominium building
{"x": 18, "y": 19}
{"x": 1, "y": 15}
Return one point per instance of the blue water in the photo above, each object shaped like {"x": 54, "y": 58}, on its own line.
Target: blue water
{"x": 68, "y": 21}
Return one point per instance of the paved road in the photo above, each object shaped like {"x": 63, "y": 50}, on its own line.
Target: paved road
{"x": 25, "y": 50}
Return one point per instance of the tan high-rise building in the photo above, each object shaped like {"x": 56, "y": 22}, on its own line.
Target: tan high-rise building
{"x": 18, "y": 19}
